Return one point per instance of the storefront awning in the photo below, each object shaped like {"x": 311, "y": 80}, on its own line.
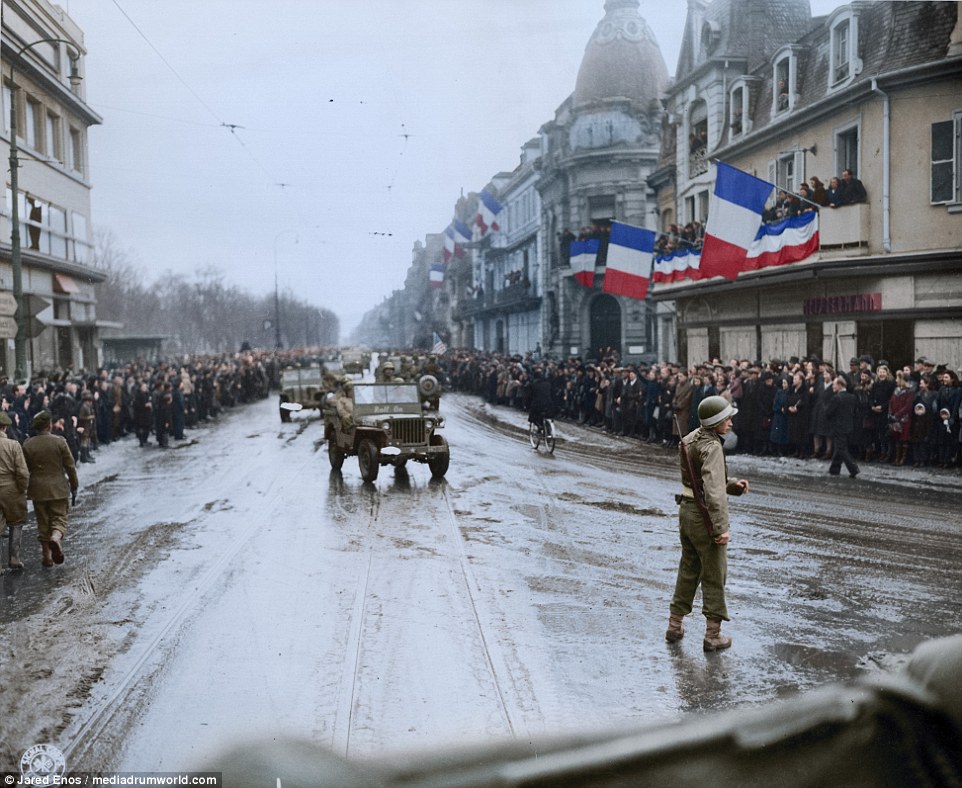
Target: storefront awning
{"x": 64, "y": 284}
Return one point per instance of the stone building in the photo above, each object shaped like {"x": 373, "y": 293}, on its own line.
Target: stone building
{"x": 596, "y": 156}
{"x": 43, "y": 59}
{"x": 497, "y": 284}
{"x": 875, "y": 88}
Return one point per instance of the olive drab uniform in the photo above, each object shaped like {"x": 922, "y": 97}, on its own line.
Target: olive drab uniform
{"x": 702, "y": 560}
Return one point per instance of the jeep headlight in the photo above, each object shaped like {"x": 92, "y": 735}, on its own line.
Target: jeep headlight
{"x": 386, "y": 426}
{"x": 429, "y": 424}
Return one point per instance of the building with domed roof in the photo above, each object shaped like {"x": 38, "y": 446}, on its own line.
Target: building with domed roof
{"x": 596, "y": 155}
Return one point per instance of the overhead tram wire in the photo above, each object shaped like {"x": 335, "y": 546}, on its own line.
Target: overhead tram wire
{"x": 231, "y": 127}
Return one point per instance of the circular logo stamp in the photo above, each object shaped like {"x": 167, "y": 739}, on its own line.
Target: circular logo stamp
{"x": 42, "y": 760}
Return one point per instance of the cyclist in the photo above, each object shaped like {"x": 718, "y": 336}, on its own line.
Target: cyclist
{"x": 541, "y": 405}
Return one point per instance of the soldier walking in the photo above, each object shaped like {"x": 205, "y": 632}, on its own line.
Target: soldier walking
{"x": 14, "y": 477}
{"x": 703, "y": 523}
{"x": 53, "y": 477}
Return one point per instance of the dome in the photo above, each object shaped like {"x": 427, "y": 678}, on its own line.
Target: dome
{"x": 622, "y": 58}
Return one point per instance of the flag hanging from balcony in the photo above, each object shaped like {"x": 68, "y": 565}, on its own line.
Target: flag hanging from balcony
{"x": 680, "y": 264}
{"x": 437, "y": 275}
{"x": 734, "y": 216}
{"x": 438, "y": 347}
{"x": 488, "y": 210}
{"x": 787, "y": 241}
{"x": 630, "y": 254}
{"x": 462, "y": 230}
{"x": 584, "y": 254}
{"x": 452, "y": 248}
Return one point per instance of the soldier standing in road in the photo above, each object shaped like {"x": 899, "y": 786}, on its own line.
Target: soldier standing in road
{"x": 14, "y": 477}
{"x": 703, "y": 522}
{"x": 53, "y": 476}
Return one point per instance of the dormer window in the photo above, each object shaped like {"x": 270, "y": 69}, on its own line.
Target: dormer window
{"x": 782, "y": 72}
{"x": 698, "y": 139}
{"x": 739, "y": 121}
{"x": 844, "y": 63}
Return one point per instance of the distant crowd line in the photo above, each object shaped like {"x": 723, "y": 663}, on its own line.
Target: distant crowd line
{"x": 907, "y": 417}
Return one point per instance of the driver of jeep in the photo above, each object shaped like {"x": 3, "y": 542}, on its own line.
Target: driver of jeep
{"x": 387, "y": 373}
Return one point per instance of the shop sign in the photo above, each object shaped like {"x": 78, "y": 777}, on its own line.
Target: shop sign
{"x": 844, "y": 304}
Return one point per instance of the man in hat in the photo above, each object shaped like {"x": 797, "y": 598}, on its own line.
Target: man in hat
{"x": 14, "y": 477}
{"x": 53, "y": 478}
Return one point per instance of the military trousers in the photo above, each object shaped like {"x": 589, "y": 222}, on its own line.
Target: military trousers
{"x": 702, "y": 563}
{"x": 51, "y": 515}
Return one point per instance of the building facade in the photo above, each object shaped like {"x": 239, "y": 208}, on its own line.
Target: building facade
{"x": 43, "y": 65}
{"x": 874, "y": 88}
{"x": 596, "y": 156}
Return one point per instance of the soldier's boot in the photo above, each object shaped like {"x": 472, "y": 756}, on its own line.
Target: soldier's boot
{"x": 714, "y": 639}
{"x": 56, "y": 551}
{"x": 15, "y": 540}
{"x": 676, "y": 628}
{"x": 85, "y": 455}
{"x": 47, "y": 559}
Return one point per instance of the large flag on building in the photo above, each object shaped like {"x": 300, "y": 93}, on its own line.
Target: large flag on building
{"x": 734, "y": 216}
{"x": 630, "y": 254}
{"x": 488, "y": 210}
{"x": 450, "y": 245}
{"x": 437, "y": 275}
{"x": 462, "y": 230}
{"x": 787, "y": 241}
{"x": 584, "y": 255}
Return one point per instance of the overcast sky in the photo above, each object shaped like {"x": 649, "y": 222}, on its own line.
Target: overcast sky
{"x": 352, "y": 126}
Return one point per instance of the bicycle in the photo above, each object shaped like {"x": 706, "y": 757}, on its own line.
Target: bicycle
{"x": 542, "y": 432}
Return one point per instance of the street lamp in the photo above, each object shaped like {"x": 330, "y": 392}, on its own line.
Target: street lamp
{"x": 277, "y": 297}
{"x": 20, "y": 343}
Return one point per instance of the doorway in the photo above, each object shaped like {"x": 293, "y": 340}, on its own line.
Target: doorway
{"x": 605, "y": 317}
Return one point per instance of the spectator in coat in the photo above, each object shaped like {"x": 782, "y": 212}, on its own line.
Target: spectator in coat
{"x": 840, "y": 414}
{"x": 901, "y": 405}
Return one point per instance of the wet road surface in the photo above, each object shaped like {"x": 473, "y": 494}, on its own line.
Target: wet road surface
{"x": 235, "y": 586}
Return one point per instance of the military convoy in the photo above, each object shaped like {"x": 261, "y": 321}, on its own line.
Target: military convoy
{"x": 383, "y": 424}
{"x": 303, "y": 387}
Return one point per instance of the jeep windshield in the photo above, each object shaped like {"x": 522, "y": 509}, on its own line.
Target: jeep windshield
{"x": 386, "y": 394}
{"x": 304, "y": 377}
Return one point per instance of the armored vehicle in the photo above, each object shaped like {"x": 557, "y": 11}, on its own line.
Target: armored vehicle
{"x": 356, "y": 362}
{"x": 384, "y": 424}
{"x": 304, "y": 387}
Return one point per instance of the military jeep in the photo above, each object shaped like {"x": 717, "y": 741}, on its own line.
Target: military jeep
{"x": 304, "y": 387}
{"x": 388, "y": 427}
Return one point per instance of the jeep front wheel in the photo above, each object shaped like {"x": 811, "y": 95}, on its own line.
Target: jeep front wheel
{"x": 367, "y": 460}
{"x": 438, "y": 463}
{"x": 335, "y": 453}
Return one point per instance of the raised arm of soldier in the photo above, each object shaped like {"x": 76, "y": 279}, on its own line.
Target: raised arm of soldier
{"x": 703, "y": 523}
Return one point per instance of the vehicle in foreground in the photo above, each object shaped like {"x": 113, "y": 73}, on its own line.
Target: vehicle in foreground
{"x": 386, "y": 425}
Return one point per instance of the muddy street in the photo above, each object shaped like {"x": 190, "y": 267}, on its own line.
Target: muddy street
{"x": 235, "y": 586}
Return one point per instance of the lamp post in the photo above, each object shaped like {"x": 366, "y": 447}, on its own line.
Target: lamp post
{"x": 277, "y": 297}
{"x": 20, "y": 343}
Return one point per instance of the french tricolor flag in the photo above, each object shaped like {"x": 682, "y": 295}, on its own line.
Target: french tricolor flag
{"x": 450, "y": 246}
{"x": 787, "y": 241}
{"x": 462, "y": 229}
{"x": 734, "y": 216}
{"x": 630, "y": 254}
{"x": 437, "y": 275}
{"x": 584, "y": 255}
{"x": 488, "y": 210}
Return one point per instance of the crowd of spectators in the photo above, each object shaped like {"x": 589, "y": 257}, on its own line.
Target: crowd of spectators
{"x": 810, "y": 197}
{"x": 907, "y": 417}
{"x": 157, "y": 400}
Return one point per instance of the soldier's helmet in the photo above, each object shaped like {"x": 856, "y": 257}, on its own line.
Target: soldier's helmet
{"x": 713, "y": 410}
{"x": 387, "y": 365}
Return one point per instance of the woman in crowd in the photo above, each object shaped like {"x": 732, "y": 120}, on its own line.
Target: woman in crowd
{"x": 797, "y": 406}
{"x": 900, "y": 418}
{"x": 779, "y": 432}
{"x": 881, "y": 392}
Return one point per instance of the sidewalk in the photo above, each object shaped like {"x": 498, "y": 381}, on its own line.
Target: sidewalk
{"x": 930, "y": 480}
